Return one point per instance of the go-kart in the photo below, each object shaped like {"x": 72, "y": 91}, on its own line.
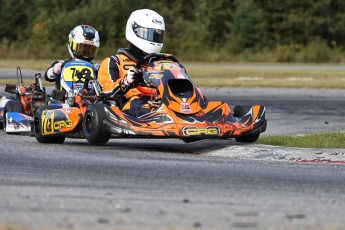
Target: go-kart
{"x": 181, "y": 111}
{"x": 16, "y": 112}
{"x": 64, "y": 113}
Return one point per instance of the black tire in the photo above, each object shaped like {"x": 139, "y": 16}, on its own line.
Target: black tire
{"x": 239, "y": 111}
{"x": 93, "y": 125}
{"x": 190, "y": 140}
{"x": 12, "y": 106}
{"x": 51, "y": 139}
{"x": 248, "y": 138}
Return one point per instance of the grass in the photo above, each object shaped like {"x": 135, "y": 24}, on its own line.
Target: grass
{"x": 26, "y": 64}
{"x": 223, "y": 75}
{"x": 235, "y": 75}
{"x": 318, "y": 140}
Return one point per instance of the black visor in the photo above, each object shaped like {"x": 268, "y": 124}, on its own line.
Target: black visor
{"x": 149, "y": 34}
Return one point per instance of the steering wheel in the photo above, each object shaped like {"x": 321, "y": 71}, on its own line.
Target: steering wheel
{"x": 155, "y": 56}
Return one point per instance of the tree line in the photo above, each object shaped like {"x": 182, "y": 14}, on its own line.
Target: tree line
{"x": 196, "y": 30}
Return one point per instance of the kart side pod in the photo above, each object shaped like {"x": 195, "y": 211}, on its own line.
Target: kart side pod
{"x": 58, "y": 121}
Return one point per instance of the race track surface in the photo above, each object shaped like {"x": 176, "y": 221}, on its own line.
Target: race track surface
{"x": 168, "y": 184}
{"x": 11, "y": 73}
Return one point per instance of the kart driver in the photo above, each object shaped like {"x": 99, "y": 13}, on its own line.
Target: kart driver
{"x": 145, "y": 31}
{"x": 83, "y": 43}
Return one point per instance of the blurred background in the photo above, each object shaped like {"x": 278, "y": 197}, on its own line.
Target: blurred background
{"x": 308, "y": 31}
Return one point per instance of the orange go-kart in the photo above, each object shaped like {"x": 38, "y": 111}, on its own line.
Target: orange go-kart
{"x": 16, "y": 113}
{"x": 180, "y": 111}
{"x": 63, "y": 116}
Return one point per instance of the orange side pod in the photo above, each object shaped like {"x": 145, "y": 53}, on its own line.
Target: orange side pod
{"x": 65, "y": 120}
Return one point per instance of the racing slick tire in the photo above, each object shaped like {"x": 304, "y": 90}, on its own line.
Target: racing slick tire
{"x": 12, "y": 106}
{"x": 93, "y": 125}
{"x": 239, "y": 111}
{"x": 51, "y": 139}
{"x": 248, "y": 138}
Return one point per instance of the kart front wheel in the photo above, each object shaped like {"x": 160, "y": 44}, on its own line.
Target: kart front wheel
{"x": 93, "y": 125}
{"x": 239, "y": 111}
{"x": 11, "y": 106}
{"x": 46, "y": 139}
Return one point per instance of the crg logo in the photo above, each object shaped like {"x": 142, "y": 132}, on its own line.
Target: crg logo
{"x": 195, "y": 131}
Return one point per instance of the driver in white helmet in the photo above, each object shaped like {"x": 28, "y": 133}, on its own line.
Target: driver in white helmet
{"x": 83, "y": 43}
{"x": 145, "y": 31}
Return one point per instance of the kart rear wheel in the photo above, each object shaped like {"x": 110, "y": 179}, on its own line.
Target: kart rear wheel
{"x": 12, "y": 106}
{"x": 239, "y": 111}
{"x": 93, "y": 125}
{"x": 248, "y": 138}
{"x": 51, "y": 139}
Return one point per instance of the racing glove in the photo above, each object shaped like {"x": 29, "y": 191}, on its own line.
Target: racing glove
{"x": 131, "y": 76}
{"x": 54, "y": 70}
{"x": 57, "y": 67}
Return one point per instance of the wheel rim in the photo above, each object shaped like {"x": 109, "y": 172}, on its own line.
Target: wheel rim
{"x": 88, "y": 123}
{"x": 36, "y": 125}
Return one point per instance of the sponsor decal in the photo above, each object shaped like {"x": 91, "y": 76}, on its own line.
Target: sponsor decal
{"x": 157, "y": 21}
{"x": 185, "y": 108}
{"x": 156, "y": 75}
{"x": 17, "y": 122}
{"x": 180, "y": 76}
{"x": 196, "y": 131}
{"x": 77, "y": 73}
{"x": 62, "y": 124}
{"x": 49, "y": 125}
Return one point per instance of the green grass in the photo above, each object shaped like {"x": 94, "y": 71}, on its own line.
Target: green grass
{"x": 223, "y": 75}
{"x": 319, "y": 140}
{"x": 26, "y": 64}
{"x": 233, "y": 75}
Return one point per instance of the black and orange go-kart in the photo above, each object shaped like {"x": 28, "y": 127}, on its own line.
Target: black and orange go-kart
{"x": 181, "y": 111}
{"x": 16, "y": 112}
{"x": 64, "y": 113}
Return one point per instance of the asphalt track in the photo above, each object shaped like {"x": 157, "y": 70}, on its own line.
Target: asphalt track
{"x": 168, "y": 184}
{"x": 11, "y": 73}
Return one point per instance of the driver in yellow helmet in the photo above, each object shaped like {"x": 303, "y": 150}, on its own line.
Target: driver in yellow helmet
{"x": 83, "y": 44}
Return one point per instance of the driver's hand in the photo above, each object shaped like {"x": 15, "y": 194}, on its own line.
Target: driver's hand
{"x": 131, "y": 76}
{"x": 57, "y": 67}
{"x": 84, "y": 90}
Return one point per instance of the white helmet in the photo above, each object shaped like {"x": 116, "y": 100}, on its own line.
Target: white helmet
{"x": 146, "y": 29}
{"x": 83, "y": 42}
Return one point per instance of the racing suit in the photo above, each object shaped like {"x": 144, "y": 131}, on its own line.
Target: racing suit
{"x": 133, "y": 100}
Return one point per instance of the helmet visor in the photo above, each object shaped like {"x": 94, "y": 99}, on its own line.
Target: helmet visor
{"x": 149, "y": 34}
{"x": 84, "y": 50}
